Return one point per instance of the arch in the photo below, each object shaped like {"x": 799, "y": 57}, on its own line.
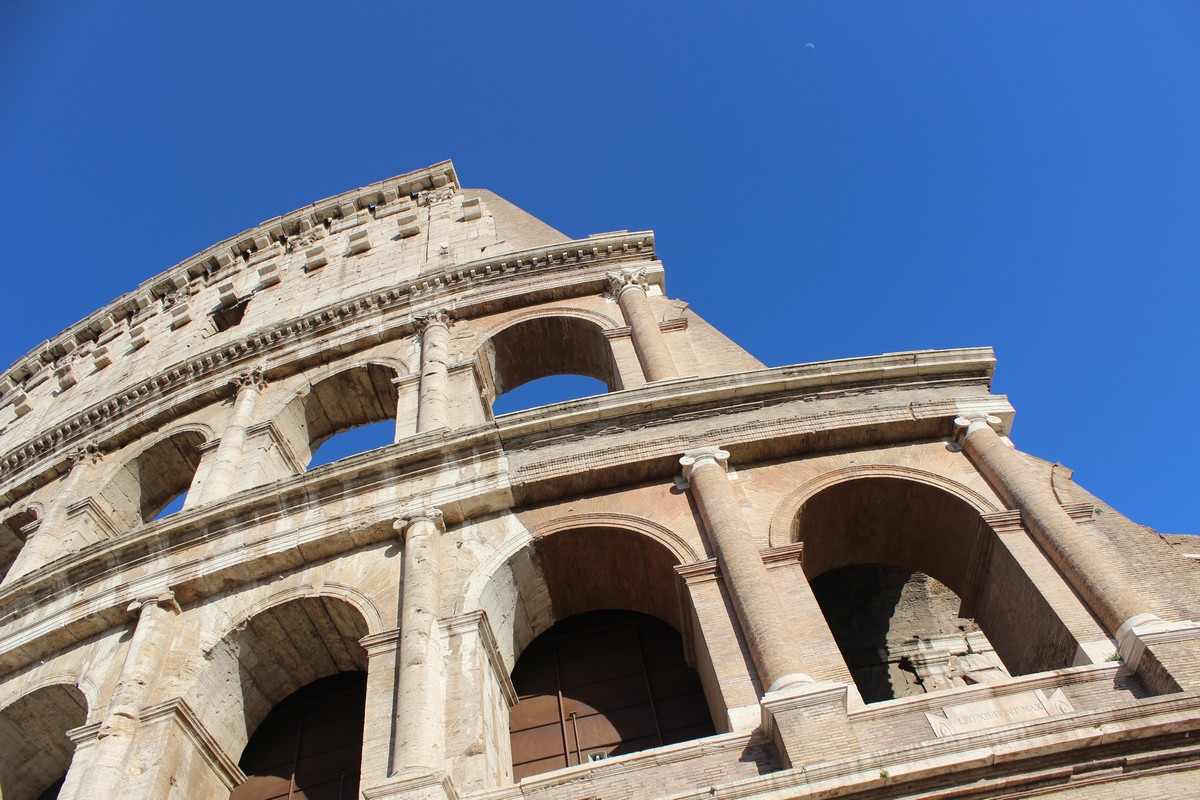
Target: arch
{"x": 16, "y": 525}
{"x": 276, "y": 647}
{"x": 540, "y": 343}
{"x": 344, "y": 397}
{"x": 160, "y": 471}
{"x": 890, "y": 536}
{"x": 36, "y": 752}
{"x": 787, "y": 514}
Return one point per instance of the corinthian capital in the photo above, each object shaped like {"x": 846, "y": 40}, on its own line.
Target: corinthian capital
{"x": 85, "y": 453}
{"x": 618, "y": 282}
{"x": 157, "y": 599}
{"x": 256, "y": 378}
{"x": 427, "y": 318}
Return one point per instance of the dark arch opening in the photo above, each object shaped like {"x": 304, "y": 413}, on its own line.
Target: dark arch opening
{"x": 886, "y": 552}
{"x": 165, "y": 471}
{"x": 15, "y": 529}
{"x": 351, "y": 401}
{"x": 310, "y": 745}
{"x": 34, "y": 749}
{"x": 602, "y": 684}
{"x": 545, "y": 346}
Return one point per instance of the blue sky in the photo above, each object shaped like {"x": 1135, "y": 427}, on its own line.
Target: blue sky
{"x": 825, "y": 179}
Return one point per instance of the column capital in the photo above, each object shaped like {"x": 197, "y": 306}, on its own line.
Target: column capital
{"x": 255, "y": 377}
{"x": 425, "y": 319}
{"x": 703, "y": 455}
{"x": 433, "y": 515}
{"x": 973, "y": 421}
{"x": 158, "y": 599}
{"x": 84, "y": 453}
{"x": 634, "y": 278}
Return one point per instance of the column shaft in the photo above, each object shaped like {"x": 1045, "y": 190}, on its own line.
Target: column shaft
{"x": 228, "y": 457}
{"x": 420, "y": 728}
{"x": 1084, "y": 566}
{"x": 433, "y": 411}
{"x": 42, "y": 544}
{"x": 766, "y": 622}
{"x": 648, "y": 340}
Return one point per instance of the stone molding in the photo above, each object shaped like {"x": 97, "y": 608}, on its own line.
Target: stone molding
{"x": 422, "y": 785}
{"x": 486, "y": 272}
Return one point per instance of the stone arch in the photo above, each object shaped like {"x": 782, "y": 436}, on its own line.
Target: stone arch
{"x": 33, "y": 728}
{"x": 277, "y": 646}
{"x": 16, "y": 526}
{"x": 161, "y": 470}
{"x": 336, "y": 399}
{"x": 545, "y": 342}
{"x": 787, "y": 515}
{"x": 875, "y": 537}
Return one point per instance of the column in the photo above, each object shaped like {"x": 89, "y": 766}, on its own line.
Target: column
{"x": 766, "y": 621}
{"x": 221, "y": 475}
{"x": 433, "y": 411}
{"x": 420, "y": 714}
{"x": 629, "y": 287}
{"x": 42, "y": 545}
{"x": 1084, "y": 566}
{"x": 143, "y": 660}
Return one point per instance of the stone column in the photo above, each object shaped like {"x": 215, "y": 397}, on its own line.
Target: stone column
{"x": 433, "y": 411}
{"x": 221, "y": 475}
{"x": 143, "y": 660}
{"x": 629, "y": 287}
{"x": 42, "y": 545}
{"x": 419, "y": 742}
{"x": 767, "y": 623}
{"x": 1084, "y": 566}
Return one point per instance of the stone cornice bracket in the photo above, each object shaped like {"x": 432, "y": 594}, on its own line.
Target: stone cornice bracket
{"x": 618, "y": 282}
{"x": 967, "y": 423}
{"x": 425, "y": 319}
{"x": 434, "y": 515}
{"x": 703, "y": 455}
{"x": 255, "y": 377}
{"x": 161, "y": 599}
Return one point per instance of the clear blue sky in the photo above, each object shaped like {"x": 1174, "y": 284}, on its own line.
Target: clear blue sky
{"x": 825, "y": 179}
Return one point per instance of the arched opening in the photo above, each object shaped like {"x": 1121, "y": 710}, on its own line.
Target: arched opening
{"x": 156, "y": 478}
{"x": 310, "y": 745}
{"x": 15, "y": 529}
{"x": 603, "y": 684}
{"x": 36, "y": 752}
{"x": 904, "y": 571}
{"x": 545, "y": 391}
{"x": 296, "y": 663}
{"x": 615, "y": 594}
{"x": 348, "y": 401}
{"x": 544, "y": 346}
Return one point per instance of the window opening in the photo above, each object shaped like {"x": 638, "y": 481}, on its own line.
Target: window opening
{"x": 548, "y": 390}
{"x": 173, "y": 507}
{"x": 351, "y": 442}
{"x": 226, "y": 318}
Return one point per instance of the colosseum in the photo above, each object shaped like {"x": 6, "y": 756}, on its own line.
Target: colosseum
{"x": 714, "y": 580}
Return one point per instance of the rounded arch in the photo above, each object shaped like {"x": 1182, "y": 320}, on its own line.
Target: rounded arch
{"x": 16, "y": 525}
{"x": 787, "y": 515}
{"x": 158, "y": 472}
{"x": 37, "y": 752}
{"x": 575, "y": 565}
{"x": 544, "y": 342}
{"x": 358, "y": 600}
{"x": 273, "y": 648}
{"x": 336, "y": 399}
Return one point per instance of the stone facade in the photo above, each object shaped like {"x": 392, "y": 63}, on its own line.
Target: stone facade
{"x": 1035, "y": 641}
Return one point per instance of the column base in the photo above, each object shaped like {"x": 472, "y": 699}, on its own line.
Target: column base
{"x": 1165, "y": 655}
{"x": 414, "y": 785}
{"x": 808, "y": 720}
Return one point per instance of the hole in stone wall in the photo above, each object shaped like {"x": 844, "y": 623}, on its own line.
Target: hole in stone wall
{"x": 544, "y": 391}
{"x": 172, "y": 507}
{"x": 227, "y": 318}
{"x": 354, "y": 441}
{"x": 12, "y": 537}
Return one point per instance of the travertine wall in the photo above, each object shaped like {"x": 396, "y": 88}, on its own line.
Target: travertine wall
{"x": 160, "y": 644}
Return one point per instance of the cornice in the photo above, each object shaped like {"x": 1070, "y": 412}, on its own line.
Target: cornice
{"x": 598, "y": 252}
